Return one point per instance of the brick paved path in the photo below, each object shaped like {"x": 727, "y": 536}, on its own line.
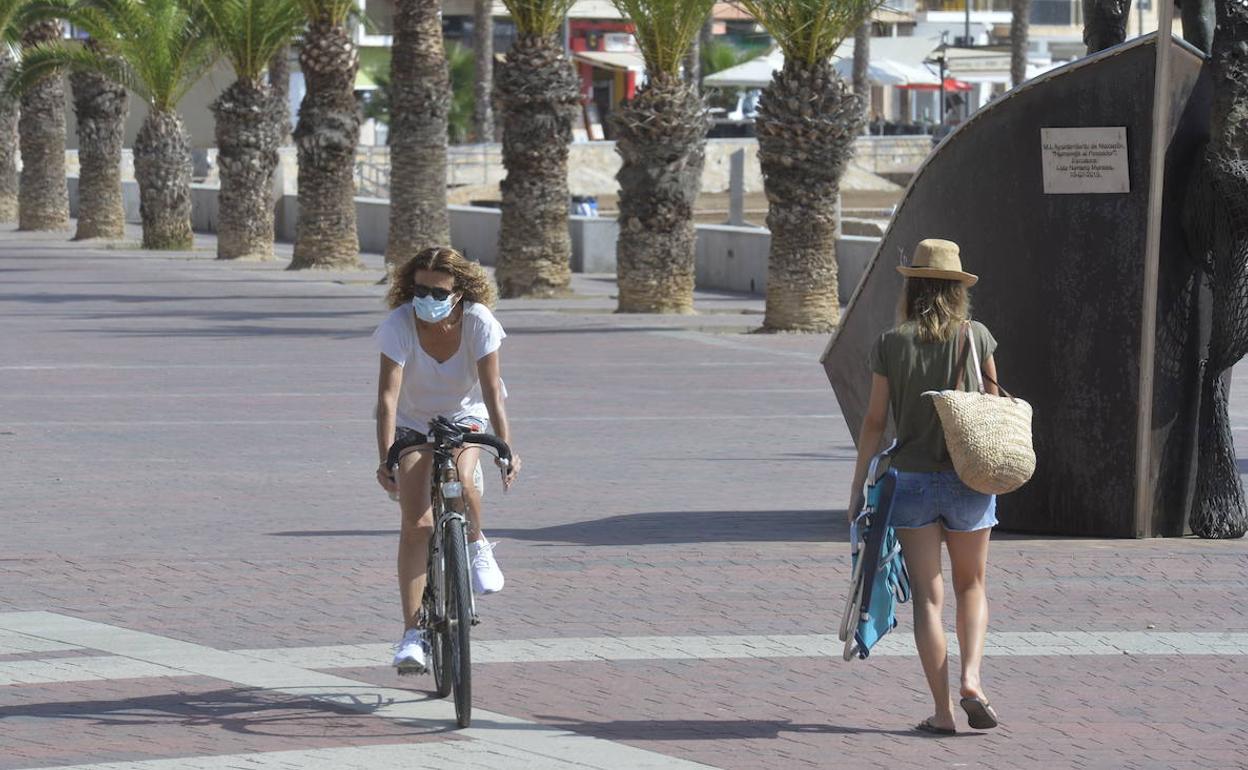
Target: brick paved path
{"x": 196, "y": 564}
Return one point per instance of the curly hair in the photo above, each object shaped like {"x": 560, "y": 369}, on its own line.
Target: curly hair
{"x": 470, "y": 278}
{"x": 937, "y": 307}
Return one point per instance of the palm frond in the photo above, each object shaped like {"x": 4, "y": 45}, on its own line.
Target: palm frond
{"x": 328, "y": 11}
{"x": 810, "y": 31}
{"x": 665, "y": 29}
{"x": 51, "y": 59}
{"x": 249, "y": 32}
{"x": 538, "y": 17}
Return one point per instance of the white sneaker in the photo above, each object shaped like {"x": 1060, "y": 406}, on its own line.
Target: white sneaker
{"x": 412, "y": 653}
{"x": 487, "y": 578}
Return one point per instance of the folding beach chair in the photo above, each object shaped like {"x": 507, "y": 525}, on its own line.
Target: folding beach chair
{"x": 879, "y": 579}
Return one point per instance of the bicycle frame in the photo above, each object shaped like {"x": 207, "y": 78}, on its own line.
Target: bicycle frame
{"x": 446, "y": 511}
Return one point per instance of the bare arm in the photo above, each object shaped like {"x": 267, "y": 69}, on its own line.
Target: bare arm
{"x": 489, "y": 373}
{"x": 873, "y": 426}
{"x": 388, "y": 383}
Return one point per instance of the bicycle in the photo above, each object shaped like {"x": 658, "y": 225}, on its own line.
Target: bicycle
{"x": 448, "y": 607}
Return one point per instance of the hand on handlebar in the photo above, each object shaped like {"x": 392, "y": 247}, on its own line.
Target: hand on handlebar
{"x": 385, "y": 479}
{"x": 510, "y": 470}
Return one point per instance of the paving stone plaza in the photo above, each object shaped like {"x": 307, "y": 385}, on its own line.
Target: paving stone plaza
{"x": 197, "y": 566}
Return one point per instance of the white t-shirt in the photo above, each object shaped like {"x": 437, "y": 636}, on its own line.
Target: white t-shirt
{"x": 430, "y": 389}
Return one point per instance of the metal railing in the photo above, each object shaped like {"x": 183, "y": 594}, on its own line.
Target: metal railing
{"x": 466, "y": 164}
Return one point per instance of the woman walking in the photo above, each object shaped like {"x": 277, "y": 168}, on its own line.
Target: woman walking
{"x": 930, "y": 503}
{"x": 439, "y": 358}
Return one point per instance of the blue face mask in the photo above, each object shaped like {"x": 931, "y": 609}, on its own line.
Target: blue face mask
{"x": 431, "y": 310}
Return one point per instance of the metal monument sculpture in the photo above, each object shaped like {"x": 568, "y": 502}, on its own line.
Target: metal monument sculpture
{"x": 1216, "y": 221}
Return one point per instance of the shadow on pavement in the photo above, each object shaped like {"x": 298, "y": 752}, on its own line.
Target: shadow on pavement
{"x": 244, "y": 710}
{"x": 707, "y": 729}
{"x": 691, "y": 527}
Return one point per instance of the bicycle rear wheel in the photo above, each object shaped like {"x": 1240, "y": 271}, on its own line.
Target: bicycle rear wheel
{"x": 459, "y": 620}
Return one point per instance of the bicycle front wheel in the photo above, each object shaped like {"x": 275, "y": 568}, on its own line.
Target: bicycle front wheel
{"x": 459, "y": 620}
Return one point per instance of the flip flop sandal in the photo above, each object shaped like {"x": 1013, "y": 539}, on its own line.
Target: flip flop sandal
{"x": 980, "y": 713}
{"x": 926, "y": 726}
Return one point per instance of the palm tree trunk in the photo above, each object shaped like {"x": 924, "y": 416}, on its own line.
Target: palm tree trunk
{"x": 247, "y": 141}
{"x": 279, "y": 83}
{"x": 808, "y": 119}
{"x": 662, "y": 140}
{"x": 8, "y": 142}
{"x": 862, "y": 63}
{"x": 162, "y": 167}
{"x": 1020, "y": 29}
{"x": 43, "y": 198}
{"x": 100, "y": 106}
{"x": 537, "y": 92}
{"x": 326, "y": 136}
{"x": 1104, "y": 23}
{"x": 421, "y": 101}
{"x": 483, "y": 38}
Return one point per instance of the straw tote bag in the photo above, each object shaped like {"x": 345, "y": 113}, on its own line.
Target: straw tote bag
{"x": 989, "y": 437}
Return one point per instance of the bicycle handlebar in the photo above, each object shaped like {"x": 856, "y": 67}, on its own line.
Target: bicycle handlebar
{"x": 416, "y": 438}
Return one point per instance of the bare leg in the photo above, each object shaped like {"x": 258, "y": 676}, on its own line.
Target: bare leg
{"x": 968, "y": 552}
{"x": 465, "y": 463}
{"x": 415, "y": 472}
{"x": 921, "y": 548}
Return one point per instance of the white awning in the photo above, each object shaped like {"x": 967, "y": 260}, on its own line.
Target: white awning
{"x": 894, "y": 61}
{"x": 617, "y": 61}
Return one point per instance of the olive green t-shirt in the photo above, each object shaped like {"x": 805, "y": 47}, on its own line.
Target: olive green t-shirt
{"x": 912, "y": 368}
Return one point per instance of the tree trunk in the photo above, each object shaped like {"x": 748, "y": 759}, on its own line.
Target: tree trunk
{"x": 100, "y": 106}
{"x": 808, "y": 119}
{"x": 247, "y": 142}
{"x": 693, "y": 64}
{"x": 862, "y": 64}
{"x": 538, "y": 93}
{"x": 279, "y": 84}
{"x": 483, "y": 86}
{"x": 1020, "y": 30}
{"x": 162, "y": 167}
{"x": 8, "y": 142}
{"x": 662, "y": 140}
{"x": 326, "y": 136}
{"x": 1217, "y": 219}
{"x": 43, "y": 198}
{"x": 1104, "y": 23}
{"x": 420, "y": 103}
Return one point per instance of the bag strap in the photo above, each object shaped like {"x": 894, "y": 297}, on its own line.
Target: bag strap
{"x": 966, "y": 348}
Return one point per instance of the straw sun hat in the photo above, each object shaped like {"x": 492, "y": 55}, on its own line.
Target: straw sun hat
{"x": 935, "y": 258}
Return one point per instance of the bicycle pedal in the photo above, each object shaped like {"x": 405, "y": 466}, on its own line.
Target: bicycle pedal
{"x": 411, "y": 670}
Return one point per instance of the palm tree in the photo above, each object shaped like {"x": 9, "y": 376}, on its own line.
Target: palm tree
{"x": 8, "y": 117}
{"x": 808, "y": 120}
{"x": 249, "y": 33}
{"x": 1020, "y": 30}
{"x": 661, "y": 137}
{"x": 537, "y": 93}
{"x": 483, "y": 47}
{"x": 43, "y": 198}
{"x": 156, "y": 50}
{"x": 100, "y": 106}
{"x": 862, "y": 62}
{"x": 420, "y": 94}
{"x": 326, "y": 136}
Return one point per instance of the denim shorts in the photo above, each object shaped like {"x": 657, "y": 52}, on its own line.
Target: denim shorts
{"x": 921, "y": 499}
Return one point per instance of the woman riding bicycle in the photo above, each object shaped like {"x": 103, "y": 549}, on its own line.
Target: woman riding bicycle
{"x": 439, "y": 358}
{"x": 930, "y": 503}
